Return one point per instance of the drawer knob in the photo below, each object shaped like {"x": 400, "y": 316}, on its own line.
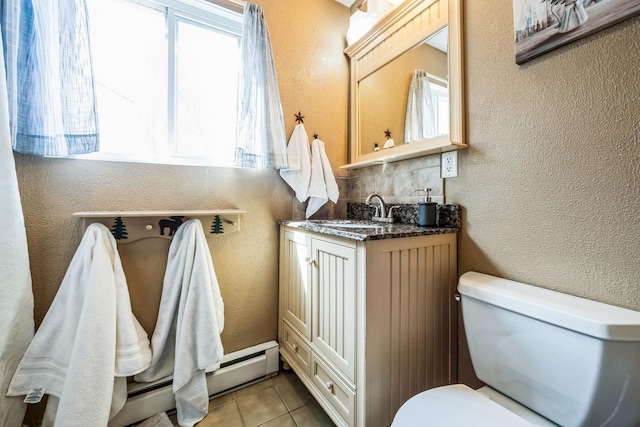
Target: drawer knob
{"x": 329, "y": 386}
{"x": 295, "y": 347}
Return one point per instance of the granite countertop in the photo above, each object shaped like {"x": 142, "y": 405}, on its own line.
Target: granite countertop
{"x": 363, "y": 230}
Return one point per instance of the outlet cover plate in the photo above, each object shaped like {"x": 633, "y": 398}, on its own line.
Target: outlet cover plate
{"x": 449, "y": 163}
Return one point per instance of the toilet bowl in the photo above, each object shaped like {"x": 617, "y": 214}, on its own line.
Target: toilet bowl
{"x": 547, "y": 358}
{"x": 460, "y": 406}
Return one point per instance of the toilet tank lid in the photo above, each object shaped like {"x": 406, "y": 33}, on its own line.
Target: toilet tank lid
{"x": 578, "y": 314}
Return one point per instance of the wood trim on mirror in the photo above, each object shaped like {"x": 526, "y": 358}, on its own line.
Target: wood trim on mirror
{"x": 397, "y": 32}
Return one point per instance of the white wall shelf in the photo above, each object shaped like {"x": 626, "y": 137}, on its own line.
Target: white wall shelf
{"x": 136, "y": 225}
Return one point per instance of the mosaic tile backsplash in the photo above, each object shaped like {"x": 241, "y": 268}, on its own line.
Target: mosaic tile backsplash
{"x": 446, "y": 215}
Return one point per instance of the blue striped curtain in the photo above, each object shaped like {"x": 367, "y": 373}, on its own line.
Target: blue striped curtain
{"x": 50, "y": 85}
{"x": 261, "y": 142}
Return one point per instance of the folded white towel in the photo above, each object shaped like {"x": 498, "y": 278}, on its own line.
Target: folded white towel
{"x": 89, "y": 340}
{"x": 323, "y": 184}
{"x": 186, "y": 340}
{"x": 298, "y": 174}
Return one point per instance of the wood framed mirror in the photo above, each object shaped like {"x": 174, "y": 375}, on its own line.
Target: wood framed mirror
{"x": 418, "y": 34}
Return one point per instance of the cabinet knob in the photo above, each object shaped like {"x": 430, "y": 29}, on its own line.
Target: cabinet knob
{"x": 295, "y": 347}
{"x": 312, "y": 261}
{"x": 329, "y": 386}
{"x": 307, "y": 258}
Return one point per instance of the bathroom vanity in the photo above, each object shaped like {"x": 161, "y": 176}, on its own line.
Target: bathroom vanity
{"x": 367, "y": 313}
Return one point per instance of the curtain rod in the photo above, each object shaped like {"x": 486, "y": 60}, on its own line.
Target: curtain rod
{"x": 235, "y": 5}
{"x": 436, "y": 78}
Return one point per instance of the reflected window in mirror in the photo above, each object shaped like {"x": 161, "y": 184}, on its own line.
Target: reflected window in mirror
{"x": 440, "y": 102}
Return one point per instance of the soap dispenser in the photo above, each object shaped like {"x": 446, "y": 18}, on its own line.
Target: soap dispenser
{"x": 426, "y": 210}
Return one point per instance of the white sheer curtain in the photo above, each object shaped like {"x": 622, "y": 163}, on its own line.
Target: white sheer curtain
{"x": 16, "y": 303}
{"x": 420, "y": 117}
{"x": 261, "y": 140}
{"x": 50, "y": 86}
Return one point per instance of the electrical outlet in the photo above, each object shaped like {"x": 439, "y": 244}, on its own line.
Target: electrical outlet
{"x": 449, "y": 162}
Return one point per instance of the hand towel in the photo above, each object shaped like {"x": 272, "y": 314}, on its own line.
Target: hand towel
{"x": 323, "y": 184}
{"x": 298, "y": 174}
{"x": 16, "y": 303}
{"x": 89, "y": 340}
{"x": 186, "y": 340}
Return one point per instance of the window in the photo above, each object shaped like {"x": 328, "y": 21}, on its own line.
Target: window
{"x": 440, "y": 102}
{"x": 166, "y": 80}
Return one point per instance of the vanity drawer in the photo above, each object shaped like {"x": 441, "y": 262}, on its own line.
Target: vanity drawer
{"x": 336, "y": 392}
{"x": 297, "y": 349}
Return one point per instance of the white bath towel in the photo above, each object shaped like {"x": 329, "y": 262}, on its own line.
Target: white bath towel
{"x": 89, "y": 340}
{"x": 186, "y": 340}
{"x": 16, "y": 301}
{"x": 298, "y": 175}
{"x": 323, "y": 186}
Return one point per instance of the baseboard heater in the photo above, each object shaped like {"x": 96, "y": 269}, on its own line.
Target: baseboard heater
{"x": 237, "y": 369}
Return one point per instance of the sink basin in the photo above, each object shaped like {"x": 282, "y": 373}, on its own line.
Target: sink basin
{"x": 349, "y": 224}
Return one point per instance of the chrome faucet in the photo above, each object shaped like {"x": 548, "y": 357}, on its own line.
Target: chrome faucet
{"x": 381, "y": 209}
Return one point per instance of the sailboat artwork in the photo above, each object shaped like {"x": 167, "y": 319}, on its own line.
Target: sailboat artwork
{"x": 543, "y": 25}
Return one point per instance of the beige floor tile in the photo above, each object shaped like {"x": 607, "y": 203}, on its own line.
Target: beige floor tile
{"x": 226, "y": 415}
{"x": 260, "y": 405}
{"x": 311, "y": 415}
{"x": 254, "y": 387}
{"x": 293, "y": 393}
{"x": 282, "y": 421}
{"x": 214, "y": 403}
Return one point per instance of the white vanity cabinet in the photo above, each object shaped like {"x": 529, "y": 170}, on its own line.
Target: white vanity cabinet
{"x": 367, "y": 324}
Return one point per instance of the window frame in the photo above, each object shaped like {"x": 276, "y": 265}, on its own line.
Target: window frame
{"x": 439, "y": 91}
{"x": 227, "y": 18}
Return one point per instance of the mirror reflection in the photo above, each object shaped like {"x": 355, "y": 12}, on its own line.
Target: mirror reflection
{"x": 407, "y": 100}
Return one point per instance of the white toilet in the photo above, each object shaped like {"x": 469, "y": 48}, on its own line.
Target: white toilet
{"x": 547, "y": 359}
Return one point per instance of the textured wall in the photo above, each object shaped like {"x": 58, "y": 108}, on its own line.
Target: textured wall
{"x": 550, "y": 184}
{"x": 308, "y": 40}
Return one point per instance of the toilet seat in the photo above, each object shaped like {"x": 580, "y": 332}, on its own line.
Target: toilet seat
{"x": 455, "y": 406}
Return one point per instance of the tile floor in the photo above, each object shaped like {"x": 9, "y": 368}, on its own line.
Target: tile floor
{"x": 281, "y": 401}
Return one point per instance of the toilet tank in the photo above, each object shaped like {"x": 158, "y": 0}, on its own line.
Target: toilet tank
{"x": 572, "y": 360}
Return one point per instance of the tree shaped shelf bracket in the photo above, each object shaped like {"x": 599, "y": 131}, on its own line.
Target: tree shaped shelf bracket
{"x": 129, "y": 226}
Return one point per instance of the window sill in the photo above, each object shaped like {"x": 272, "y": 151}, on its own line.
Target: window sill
{"x": 156, "y": 159}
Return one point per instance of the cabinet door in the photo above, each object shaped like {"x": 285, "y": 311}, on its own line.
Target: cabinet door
{"x": 296, "y": 282}
{"x": 333, "y": 332}
{"x": 411, "y": 314}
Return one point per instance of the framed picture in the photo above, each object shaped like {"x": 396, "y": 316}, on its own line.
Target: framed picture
{"x": 543, "y": 25}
